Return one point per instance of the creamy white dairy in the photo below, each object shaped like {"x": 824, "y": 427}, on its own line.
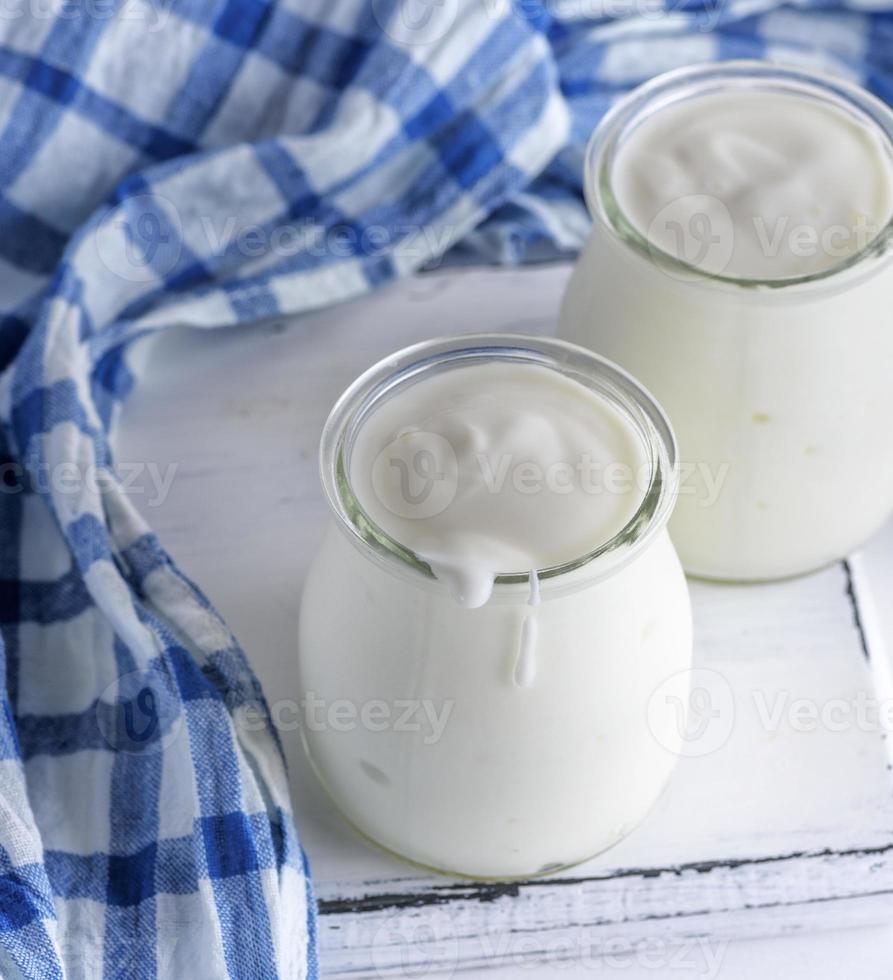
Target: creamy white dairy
{"x": 498, "y": 468}
{"x": 778, "y": 392}
{"x": 540, "y": 740}
{"x": 770, "y": 185}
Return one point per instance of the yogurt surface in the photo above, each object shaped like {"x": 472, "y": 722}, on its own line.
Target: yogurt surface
{"x": 495, "y": 469}
{"x": 752, "y": 186}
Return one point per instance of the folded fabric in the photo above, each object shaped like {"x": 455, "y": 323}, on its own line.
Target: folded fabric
{"x": 212, "y": 162}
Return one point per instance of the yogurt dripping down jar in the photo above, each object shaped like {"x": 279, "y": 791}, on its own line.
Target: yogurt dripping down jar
{"x": 777, "y": 386}
{"x": 511, "y": 769}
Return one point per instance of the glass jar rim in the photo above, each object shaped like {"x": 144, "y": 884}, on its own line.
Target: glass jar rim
{"x": 625, "y": 393}
{"x": 710, "y": 78}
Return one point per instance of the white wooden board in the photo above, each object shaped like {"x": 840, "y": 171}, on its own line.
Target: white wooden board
{"x": 786, "y": 824}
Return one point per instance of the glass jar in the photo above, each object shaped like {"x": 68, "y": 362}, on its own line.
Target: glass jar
{"x": 778, "y": 390}
{"x": 415, "y": 719}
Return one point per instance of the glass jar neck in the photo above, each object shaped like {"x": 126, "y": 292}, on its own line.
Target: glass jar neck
{"x": 412, "y": 364}
{"x": 683, "y": 84}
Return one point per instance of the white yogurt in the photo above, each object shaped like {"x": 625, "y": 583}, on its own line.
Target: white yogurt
{"x": 789, "y": 186}
{"x": 539, "y": 470}
{"x": 541, "y": 740}
{"x": 768, "y": 342}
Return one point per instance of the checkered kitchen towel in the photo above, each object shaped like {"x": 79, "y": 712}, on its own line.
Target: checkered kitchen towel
{"x": 209, "y": 162}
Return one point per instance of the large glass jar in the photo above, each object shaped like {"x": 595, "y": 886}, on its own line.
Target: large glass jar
{"x": 777, "y": 389}
{"x": 415, "y": 718}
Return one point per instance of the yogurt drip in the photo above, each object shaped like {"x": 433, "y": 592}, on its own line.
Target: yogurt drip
{"x": 755, "y": 185}
{"x": 525, "y": 665}
{"x": 490, "y": 469}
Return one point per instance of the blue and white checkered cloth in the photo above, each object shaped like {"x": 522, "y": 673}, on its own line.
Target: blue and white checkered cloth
{"x": 209, "y": 162}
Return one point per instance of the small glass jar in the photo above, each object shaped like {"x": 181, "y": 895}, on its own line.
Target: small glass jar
{"x": 415, "y": 718}
{"x": 778, "y": 390}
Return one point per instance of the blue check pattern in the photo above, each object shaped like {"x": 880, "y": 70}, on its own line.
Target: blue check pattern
{"x": 212, "y": 162}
